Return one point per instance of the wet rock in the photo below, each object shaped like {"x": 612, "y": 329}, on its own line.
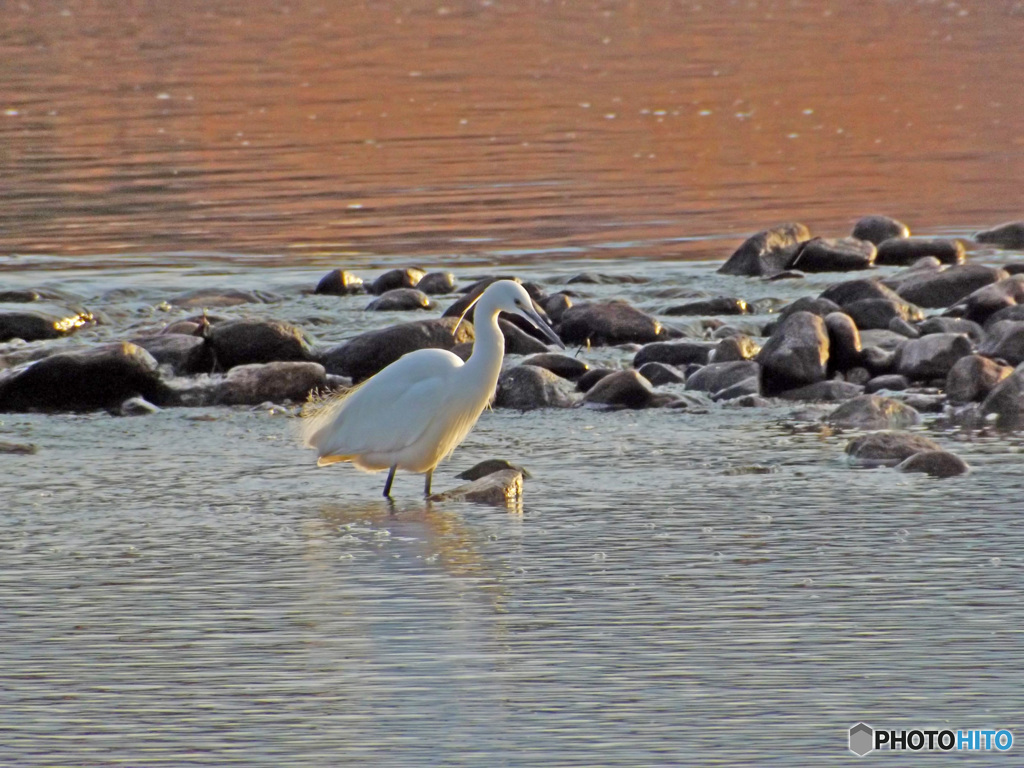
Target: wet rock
{"x": 18, "y": 449}
{"x": 396, "y": 278}
{"x": 489, "y": 467}
{"x": 1009, "y": 235}
{"x": 723, "y": 305}
{"x": 891, "y": 382}
{"x": 935, "y": 463}
{"x": 887, "y": 448}
{"x": 194, "y": 391}
{"x": 952, "y": 325}
{"x": 221, "y": 297}
{"x": 48, "y": 322}
{"x": 946, "y": 287}
{"x": 518, "y": 342}
{"x": 339, "y": 282}
{"x": 183, "y": 354}
{"x": 796, "y": 354}
{"x": 555, "y": 306}
{"x": 605, "y": 323}
{"x": 844, "y": 346}
{"x": 400, "y": 300}
{"x": 368, "y": 353}
{"x": 972, "y": 377}
{"x": 715, "y": 377}
{"x": 878, "y": 361}
{"x": 678, "y": 353}
{"x": 1006, "y": 400}
{"x": 832, "y": 391}
{"x": 876, "y": 314}
{"x": 599, "y": 278}
{"x": 748, "y": 387}
{"x": 625, "y": 389}
{"x": 902, "y": 251}
{"x": 660, "y": 373}
{"x": 734, "y": 348}
{"x": 273, "y": 382}
{"x": 437, "y": 283}
{"x": 988, "y": 300}
{"x": 865, "y": 288}
{"x": 1015, "y": 313}
{"x": 925, "y": 402}
{"x": 873, "y": 412}
{"x": 587, "y": 381}
{"x": 504, "y": 488}
{"x": 903, "y": 328}
{"x": 830, "y": 255}
{"x": 766, "y": 253}
{"x": 932, "y": 356}
{"x": 569, "y": 368}
{"x": 815, "y": 305}
{"x": 100, "y": 377}
{"x": 239, "y": 342}
{"x": 876, "y": 229}
{"x": 1004, "y": 340}
{"x": 137, "y": 406}
{"x": 527, "y": 387}
{"x": 857, "y": 375}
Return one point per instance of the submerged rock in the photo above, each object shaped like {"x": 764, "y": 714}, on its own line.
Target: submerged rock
{"x": 766, "y": 253}
{"x": 832, "y": 391}
{"x": 888, "y": 448}
{"x": 723, "y": 305}
{"x": 503, "y": 488}
{"x": 876, "y": 229}
{"x": 1008, "y": 235}
{"x": 829, "y": 255}
{"x": 273, "y": 382}
{"x": 625, "y": 389}
{"x": 612, "y": 322}
{"x": 489, "y": 467}
{"x": 527, "y": 387}
{"x": 221, "y": 297}
{"x": 239, "y": 342}
{"x": 340, "y": 282}
{"x": 400, "y": 300}
{"x": 873, "y": 412}
{"x": 796, "y": 354}
{"x": 935, "y": 463}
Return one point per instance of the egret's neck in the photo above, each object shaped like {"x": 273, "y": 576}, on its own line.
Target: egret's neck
{"x": 489, "y": 347}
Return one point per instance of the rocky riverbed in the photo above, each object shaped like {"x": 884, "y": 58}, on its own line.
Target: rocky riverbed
{"x": 877, "y": 332}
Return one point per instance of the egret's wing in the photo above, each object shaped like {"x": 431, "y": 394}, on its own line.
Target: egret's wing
{"x": 388, "y": 412}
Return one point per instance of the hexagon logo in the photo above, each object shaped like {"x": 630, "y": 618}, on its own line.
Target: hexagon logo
{"x": 862, "y": 739}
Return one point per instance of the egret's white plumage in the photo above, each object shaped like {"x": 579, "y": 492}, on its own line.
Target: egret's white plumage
{"x": 416, "y": 411}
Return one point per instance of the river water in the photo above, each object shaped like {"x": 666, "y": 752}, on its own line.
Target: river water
{"x": 705, "y": 587}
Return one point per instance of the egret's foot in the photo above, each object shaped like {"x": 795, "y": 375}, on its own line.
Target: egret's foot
{"x": 426, "y": 485}
{"x": 391, "y": 479}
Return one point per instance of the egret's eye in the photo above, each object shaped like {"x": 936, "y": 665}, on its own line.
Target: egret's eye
{"x": 519, "y": 303}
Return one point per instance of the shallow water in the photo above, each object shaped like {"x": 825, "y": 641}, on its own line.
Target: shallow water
{"x": 679, "y": 587}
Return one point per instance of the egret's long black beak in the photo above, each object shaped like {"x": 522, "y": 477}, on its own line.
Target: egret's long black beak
{"x": 542, "y": 326}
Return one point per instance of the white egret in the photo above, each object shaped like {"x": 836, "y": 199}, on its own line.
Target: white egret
{"x": 414, "y": 412}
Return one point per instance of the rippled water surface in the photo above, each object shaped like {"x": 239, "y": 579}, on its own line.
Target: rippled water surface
{"x": 712, "y": 586}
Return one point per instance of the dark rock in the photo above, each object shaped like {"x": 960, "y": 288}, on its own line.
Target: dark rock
{"x": 888, "y": 448}
{"x": 850, "y": 291}
{"x": 1014, "y": 312}
{"x": 587, "y": 381}
{"x": 599, "y": 278}
{"x": 815, "y": 305}
{"x": 903, "y": 328}
{"x": 925, "y": 402}
{"x": 748, "y": 401}
{"x": 137, "y": 406}
{"x": 766, "y": 253}
{"x": 715, "y": 377}
{"x": 786, "y": 274}
{"x": 734, "y": 348}
{"x": 876, "y": 229}
{"x": 612, "y": 322}
{"x": 489, "y": 467}
{"x": 1006, "y": 400}
{"x": 18, "y": 449}
{"x": 876, "y": 314}
{"x": 216, "y": 297}
{"x": 972, "y": 377}
{"x": 946, "y": 287}
{"x": 748, "y": 387}
{"x": 239, "y": 342}
{"x": 935, "y": 463}
{"x": 46, "y": 322}
{"x": 273, "y": 382}
{"x": 878, "y": 361}
{"x": 555, "y": 306}
{"x": 795, "y": 354}
{"x": 988, "y": 300}
{"x": 660, "y": 373}
{"x": 722, "y": 305}
{"x": 184, "y": 354}
{"x": 882, "y": 338}
{"x": 832, "y": 391}
{"x": 368, "y": 353}
{"x": 1004, "y": 340}
{"x": 624, "y": 389}
{"x": 517, "y": 341}
{"x": 844, "y": 347}
{"x": 952, "y": 325}
{"x": 100, "y": 377}
{"x": 932, "y": 356}
{"x": 400, "y": 300}
{"x": 901, "y": 251}
{"x": 857, "y": 375}
{"x": 569, "y": 368}
{"x": 527, "y": 387}
{"x": 340, "y": 282}
{"x": 829, "y": 255}
{"x": 1009, "y": 235}
{"x": 396, "y": 278}
{"x": 502, "y": 489}
{"x": 873, "y": 412}
{"x": 437, "y": 283}
{"x": 677, "y": 353}
{"x": 891, "y": 382}
{"x": 1014, "y": 267}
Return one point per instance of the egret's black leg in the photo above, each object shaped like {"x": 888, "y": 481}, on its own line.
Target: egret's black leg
{"x": 426, "y": 486}
{"x": 387, "y": 485}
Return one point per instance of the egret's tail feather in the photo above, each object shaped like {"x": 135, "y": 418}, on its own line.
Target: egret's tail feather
{"x": 320, "y": 409}
{"x": 324, "y": 461}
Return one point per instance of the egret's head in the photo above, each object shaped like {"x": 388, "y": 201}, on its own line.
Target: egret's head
{"x": 511, "y": 297}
